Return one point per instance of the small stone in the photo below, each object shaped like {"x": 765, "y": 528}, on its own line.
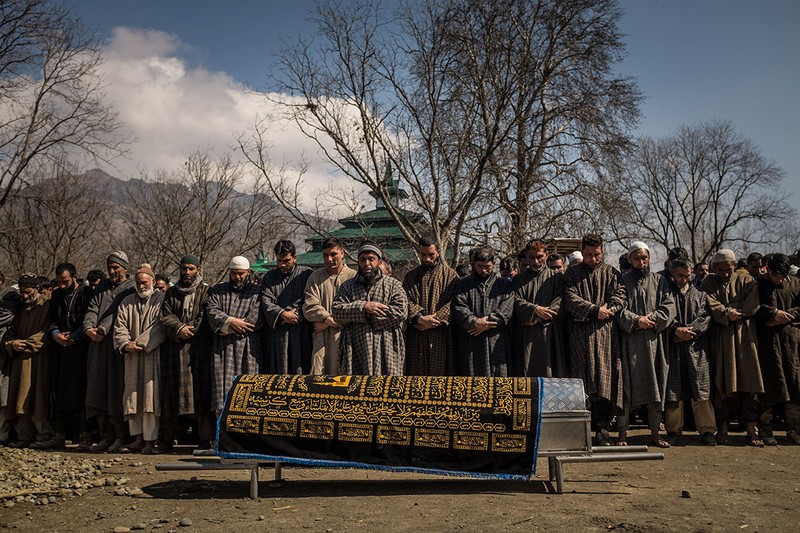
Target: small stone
{"x": 109, "y": 482}
{"x": 9, "y": 504}
{"x": 135, "y": 491}
{"x": 185, "y": 522}
{"x": 52, "y": 499}
{"x": 261, "y": 517}
{"x": 686, "y": 494}
{"x": 139, "y": 526}
{"x": 37, "y": 480}
{"x": 121, "y": 491}
{"x": 121, "y": 529}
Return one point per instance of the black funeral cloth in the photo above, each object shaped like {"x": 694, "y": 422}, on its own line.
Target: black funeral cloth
{"x": 477, "y": 426}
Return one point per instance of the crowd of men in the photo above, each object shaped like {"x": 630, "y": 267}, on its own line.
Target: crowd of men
{"x": 89, "y": 357}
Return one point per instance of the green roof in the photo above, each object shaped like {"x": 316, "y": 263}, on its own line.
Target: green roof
{"x": 380, "y": 214}
{"x": 393, "y": 255}
{"x": 371, "y": 232}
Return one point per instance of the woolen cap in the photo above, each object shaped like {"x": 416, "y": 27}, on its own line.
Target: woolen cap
{"x": 190, "y": 259}
{"x": 119, "y": 257}
{"x": 239, "y": 262}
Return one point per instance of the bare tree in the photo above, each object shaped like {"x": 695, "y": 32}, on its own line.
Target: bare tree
{"x": 700, "y": 188}
{"x": 51, "y": 93}
{"x": 198, "y": 209}
{"x": 53, "y": 219}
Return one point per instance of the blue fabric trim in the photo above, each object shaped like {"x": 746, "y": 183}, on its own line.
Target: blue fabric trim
{"x": 538, "y": 426}
{"x": 219, "y": 418}
{"x": 368, "y": 466}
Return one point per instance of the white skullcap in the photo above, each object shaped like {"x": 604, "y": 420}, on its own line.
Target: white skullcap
{"x": 793, "y": 270}
{"x": 576, "y": 255}
{"x": 723, "y": 256}
{"x": 239, "y": 262}
{"x": 638, "y": 245}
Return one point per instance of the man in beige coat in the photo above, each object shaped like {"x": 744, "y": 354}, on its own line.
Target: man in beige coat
{"x": 137, "y": 336}
{"x": 320, "y": 290}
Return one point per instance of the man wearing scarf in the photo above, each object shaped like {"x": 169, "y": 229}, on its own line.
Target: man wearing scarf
{"x": 732, "y": 296}
{"x": 234, "y": 314}
{"x": 9, "y": 303}
{"x": 27, "y": 345}
{"x": 538, "y": 334}
{"x": 482, "y": 308}
{"x": 137, "y": 338}
{"x": 429, "y": 340}
{"x": 186, "y": 357}
{"x": 287, "y": 334}
{"x": 104, "y": 367}
{"x": 371, "y": 308}
{"x": 648, "y": 312}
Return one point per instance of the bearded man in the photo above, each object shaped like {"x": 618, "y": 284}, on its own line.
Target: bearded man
{"x": 104, "y": 368}
{"x": 68, "y": 307}
{"x": 430, "y": 288}
{"x": 538, "y": 344}
{"x": 778, "y": 330}
{"x": 9, "y": 303}
{"x": 648, "y": 312}
{"x": 287, "y": 334}
{"x": 137, "y": 337}
{"x": 482, "y": 308}
{"x": 234, "y": 314}
{"x": 732, "y": 296}
{"x": 186, "y": 357}
{"x": 26, "y": 343}
{"x": 320, "y": 290}
{"x": 593, "y": 295}
{"x": 371, "y": 308}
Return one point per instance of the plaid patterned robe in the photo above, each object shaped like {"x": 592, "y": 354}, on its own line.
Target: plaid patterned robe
{"x": 778, "y": 346}
{"x": 539, "y": 347}
{"x": 430, "y": 291}
{"x": 233, "y": 353}
{"x": 105, "y": 372}
{"x": 594, "y": 344}
{"x": 371, "y": 345}
{"x": 733, "y": 344}
{"x": 185, "y": 364}
{"x": 490, "y": 353}
{"x": 287, "y": 348}
{"x": 689, "y": 376}
{"x": 645, "y": 352}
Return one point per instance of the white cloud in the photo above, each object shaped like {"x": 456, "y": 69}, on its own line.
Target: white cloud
{"x": 172, "y": 109}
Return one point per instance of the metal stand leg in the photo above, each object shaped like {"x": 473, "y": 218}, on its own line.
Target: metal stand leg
{"x": 278, "y": 472}
{"x": 559, "y": 476}
{"x": 254, "y": 483}
{"x": 551, "y": 468}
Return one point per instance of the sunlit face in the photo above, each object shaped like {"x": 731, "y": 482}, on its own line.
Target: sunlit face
{"x": 238, "y": 277}
{"x": 143, "y": 282}
{"x": 483, "y": 268}
{"x": 116, "y": 273}
{"x": 681, "y": 275}
{"x": 724, "y": 270}
{"x": 286, "y": 263}
{"x": 536, "y": 258}
{"x": 333, "y": 258}
{"x": 66, "y": 281}
{"x": 640, "y": 259}
{"x": 428, "y": 255}
{"x": 367, "y": 262}
{"x": 162, "y": 285}
{"x": 702, "y": 271}
{"x": 189, "y": 273}
{"x": 592, "y": 256}
{"x": 557, "y": 265}
{"x": 29, "y": 295}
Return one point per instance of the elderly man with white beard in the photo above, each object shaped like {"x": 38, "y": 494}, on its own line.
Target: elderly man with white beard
{"x": 138, "y": 335}
{"x": 648, "y": 312}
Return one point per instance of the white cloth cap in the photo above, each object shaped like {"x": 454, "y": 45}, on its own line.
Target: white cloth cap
{"x": 638, "y": 245}
{"x": 239, "y": 262}
{"x": 576, "y": 255}
{"x": 723, "y": 256}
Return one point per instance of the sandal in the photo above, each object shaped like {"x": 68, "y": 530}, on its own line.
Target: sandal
{"x": 767, "y": 437}
{"x": 622, "y": 439}
{"x": 753, "y": 439}
{"x": 793, "y": 437}
{"x": 603, "y": 438}
{"x": 660, "y": 443}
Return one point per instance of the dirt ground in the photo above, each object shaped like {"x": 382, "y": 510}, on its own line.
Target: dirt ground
{"x": 731, "y": 488}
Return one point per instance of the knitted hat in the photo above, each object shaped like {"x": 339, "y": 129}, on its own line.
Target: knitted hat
{"x": 239, "y": 262}
{"x": 146, "y": 269}
{"x": 119, "y": 257}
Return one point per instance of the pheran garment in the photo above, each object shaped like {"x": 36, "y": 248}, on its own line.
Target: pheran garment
{"x": 371, "y": 345}
{"x": 645, "y": 352}
{"x": 233, "y": 353}
{"x": 29, "y": 390}
{"x": 105, "y": 372}
{"x": 491, "y": 352}
{"x": 778, "y": 345}
{"x": 689, "y": 376}
{"x": 287, "y": 347}
{"x": 430, "y": 292}
{"x": 539, "y": 345}
{"x": 9, "y": 302}
{"x": 733, "y": 345}
{"x": 138, "y": 320}
{"x": 594, "y": 344}
{"x": 185, "y": 364}
{"x": 320, "y": 290}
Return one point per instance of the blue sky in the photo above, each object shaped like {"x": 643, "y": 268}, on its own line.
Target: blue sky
{"x": 694, "y": 60}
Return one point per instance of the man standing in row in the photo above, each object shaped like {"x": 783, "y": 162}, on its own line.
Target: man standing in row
{"x": 287, "y": 334}
{"x": 105, "y": 369}
{"x": 430, "y": 288}
{"x": 538, "y": 346}
{"x": 9, "y": 302}
{"x": 592, "y": 297}
{"x": 320, "y": 290}
{"x": 371, "y": 308}
{"x": 186, "y": 357}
